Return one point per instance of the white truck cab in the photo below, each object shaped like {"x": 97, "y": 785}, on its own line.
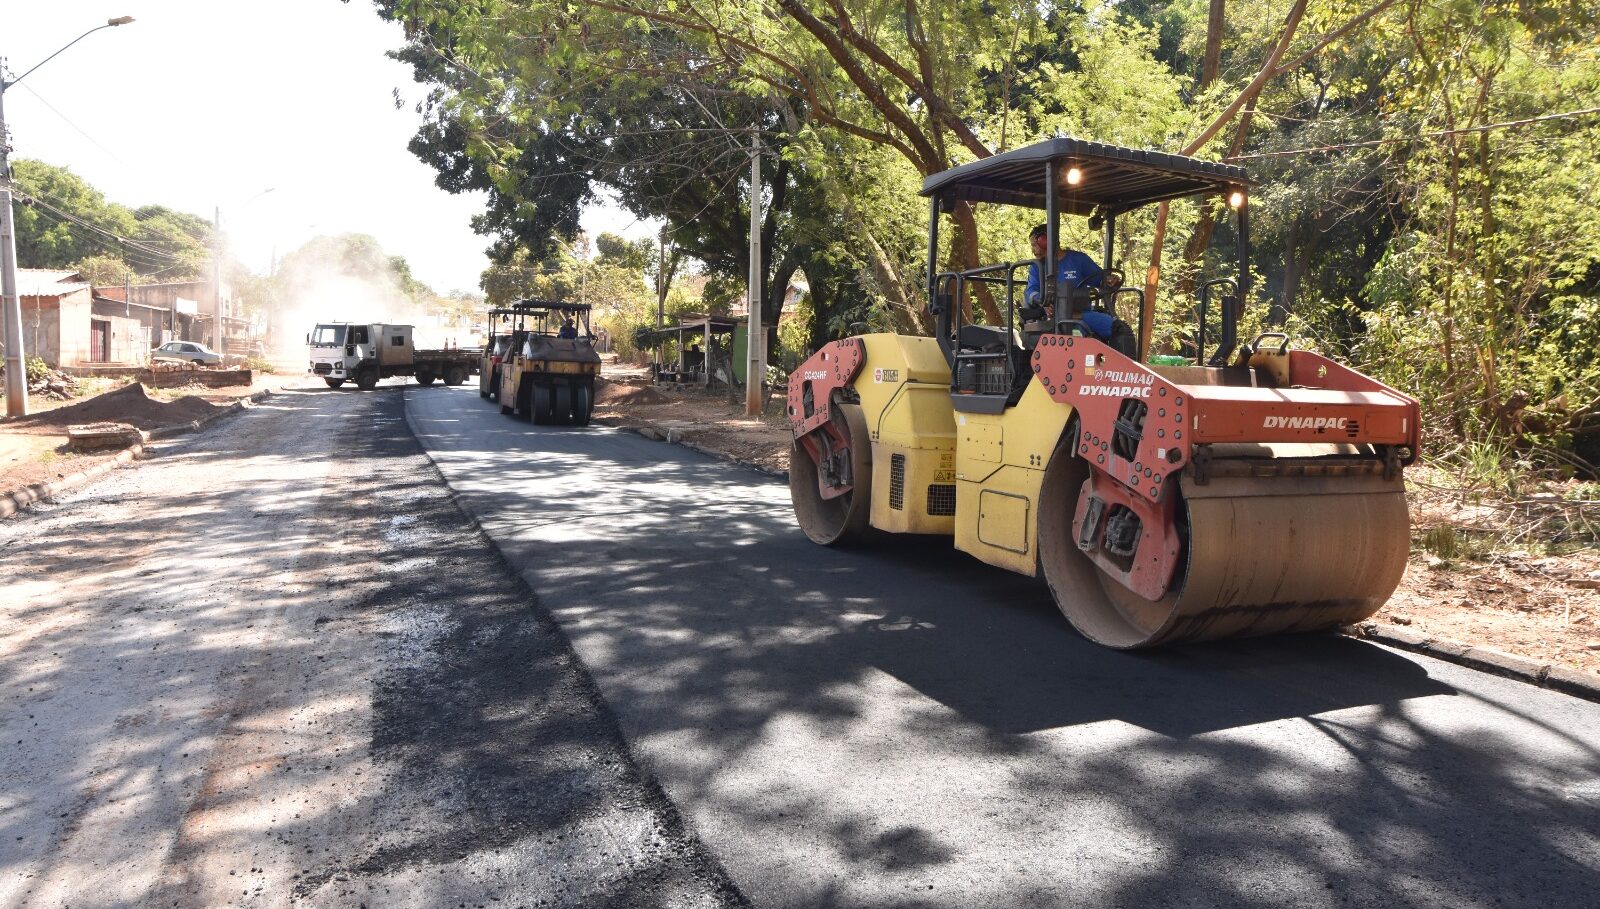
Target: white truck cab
{"x": 342, "y": 351}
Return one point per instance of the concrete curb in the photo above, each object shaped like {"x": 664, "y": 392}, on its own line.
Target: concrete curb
{"x": 1557, "y": 678}
{"x": 1483, "y": 659}
{"x": 17, "y": 499}
{"x": 675, "y": 438}
{"x": 14, "y": 501}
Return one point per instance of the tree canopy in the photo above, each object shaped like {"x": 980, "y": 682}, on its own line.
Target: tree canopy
{"x": 1427, "y": 173}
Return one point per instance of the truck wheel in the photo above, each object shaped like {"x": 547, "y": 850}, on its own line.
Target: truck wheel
{"x": 582, "y": 404}
{"x": 424, "y": 378}
{"x": 454, "y": 376}
{"x": 485, "y": 382}
{"x": 334, "y": 383}
{"x": 367, "y": 378}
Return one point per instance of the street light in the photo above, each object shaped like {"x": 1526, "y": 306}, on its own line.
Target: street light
{"x": 16, "y": 364}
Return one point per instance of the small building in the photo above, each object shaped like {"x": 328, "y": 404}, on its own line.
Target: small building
{"x": 62, "y": 325}
{"x": 188, "y": 310}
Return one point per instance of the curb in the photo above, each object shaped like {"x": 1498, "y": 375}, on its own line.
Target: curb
{"x": 17, "y": 499}
{"x": 673, "y": 437}
{"x": 14, "y": 501}
{"x": 1556, "y": 678}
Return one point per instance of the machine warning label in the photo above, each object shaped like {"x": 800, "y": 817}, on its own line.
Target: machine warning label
{"x": 1314, "y": 423}
{"x": 885, "y": 375}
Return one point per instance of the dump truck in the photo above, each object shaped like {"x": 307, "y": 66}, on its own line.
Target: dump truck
{"x": 547, "y": 372}
{"x": 365, "y": 353}
{"x": 1221, "y": 490}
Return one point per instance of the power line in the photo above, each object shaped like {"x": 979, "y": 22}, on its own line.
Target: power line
{"x": 111, "y": 246}
{"x": 1509, "y": 124}
{"x": 92, "y": 140}
{"x": 126, "y": 241}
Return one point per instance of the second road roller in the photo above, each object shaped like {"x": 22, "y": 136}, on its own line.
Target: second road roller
{"x": 1227, "y": 490}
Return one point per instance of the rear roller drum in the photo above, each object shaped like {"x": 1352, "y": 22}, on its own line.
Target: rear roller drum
{"x": 1259, "y": 556}
{"x": 843, "y": 519}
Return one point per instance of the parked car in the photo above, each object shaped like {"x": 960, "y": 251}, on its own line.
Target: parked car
{"x": 187, "y": 351}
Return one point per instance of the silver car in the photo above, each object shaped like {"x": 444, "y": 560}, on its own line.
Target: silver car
{"x": 187, "y": 351}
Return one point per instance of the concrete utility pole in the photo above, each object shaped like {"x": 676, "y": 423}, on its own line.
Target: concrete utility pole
{"x": 755, "y": 374}
{"x": 216, "y": 277}
{"x": 16, "y": 366}
{"x": 10, "y": 300}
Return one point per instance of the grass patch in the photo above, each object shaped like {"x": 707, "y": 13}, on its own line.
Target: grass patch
{"x": 1451, "y": 544}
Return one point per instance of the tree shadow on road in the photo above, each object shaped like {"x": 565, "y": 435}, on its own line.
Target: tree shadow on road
{"x": 1204, "y": 775}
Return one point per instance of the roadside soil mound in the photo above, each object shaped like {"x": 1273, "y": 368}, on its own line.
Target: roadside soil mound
{"x": 128, "y": 404}
{"x": 613, "y": 393}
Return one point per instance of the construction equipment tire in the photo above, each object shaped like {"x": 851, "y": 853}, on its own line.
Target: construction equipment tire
{"x": 541, "y": 403}
{"x": 582, "y": 404}
{"x": 562, "y": 413}
{"x": 844, "y": 519}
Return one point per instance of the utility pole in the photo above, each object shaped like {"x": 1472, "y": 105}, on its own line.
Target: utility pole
{"x": 10, "y": 300}
{"x": 16, "y": 366}
{"x": 755, "y": 374}
{"x": 216, "y": 269}
{"x": 661, "y": 299}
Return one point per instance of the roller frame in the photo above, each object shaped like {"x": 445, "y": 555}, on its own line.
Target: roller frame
{"x": 1182, "y": 421}
{"x": 813, "y": 390}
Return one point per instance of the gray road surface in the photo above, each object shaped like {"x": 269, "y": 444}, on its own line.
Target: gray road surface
{"x": 276, "y": 665}
{"x": 905, "y": 727}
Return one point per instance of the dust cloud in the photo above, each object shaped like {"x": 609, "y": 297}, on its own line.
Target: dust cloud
{"x": 326, "y": 283}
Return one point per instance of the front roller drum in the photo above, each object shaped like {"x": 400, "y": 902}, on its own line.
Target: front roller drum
{"x": 1260, "y": 556}
{"x": 845, "y": 518}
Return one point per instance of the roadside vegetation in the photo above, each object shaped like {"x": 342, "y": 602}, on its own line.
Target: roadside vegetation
{"x": 1427, "y": 207}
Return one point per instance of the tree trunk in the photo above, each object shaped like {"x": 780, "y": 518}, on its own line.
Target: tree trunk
{"x": 964, "y": 254}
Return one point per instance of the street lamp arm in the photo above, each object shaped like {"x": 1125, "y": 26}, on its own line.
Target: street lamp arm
{"x": 120, "y": 20}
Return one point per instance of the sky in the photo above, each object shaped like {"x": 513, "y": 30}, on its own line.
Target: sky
{"x": 201, "y": 104}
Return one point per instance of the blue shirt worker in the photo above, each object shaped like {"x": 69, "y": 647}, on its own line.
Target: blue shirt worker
{"x": 568, "y": 331}
{"x": 1074, "y": 269}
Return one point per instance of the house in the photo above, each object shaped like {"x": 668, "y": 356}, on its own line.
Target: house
{"x": 179, "y": 310}
{"x": 62, "y": 324}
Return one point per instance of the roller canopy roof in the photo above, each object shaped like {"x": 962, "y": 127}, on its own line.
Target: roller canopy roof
{"x": 1114, "y": 178}
{"x": 524, "y": 305}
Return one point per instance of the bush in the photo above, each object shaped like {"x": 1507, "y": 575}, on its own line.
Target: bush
{"x": 258, "y": 364}
{"x": 37, "y": 369}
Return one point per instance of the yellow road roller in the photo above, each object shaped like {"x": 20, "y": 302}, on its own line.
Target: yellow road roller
{"x": 547, "y": 373}
{"x": 1229, "y": 490}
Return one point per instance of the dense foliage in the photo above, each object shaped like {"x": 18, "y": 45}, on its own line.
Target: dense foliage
{"x": 1411, "y": 214}
{"x": 64, "y": 222}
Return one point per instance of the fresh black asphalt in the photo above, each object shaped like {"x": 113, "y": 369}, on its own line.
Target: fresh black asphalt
{"x": 901, "y": 726}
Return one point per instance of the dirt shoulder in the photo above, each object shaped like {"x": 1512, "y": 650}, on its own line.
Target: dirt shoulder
{"x": 33, "y": 449}
{"x": 1533, "y": 600}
